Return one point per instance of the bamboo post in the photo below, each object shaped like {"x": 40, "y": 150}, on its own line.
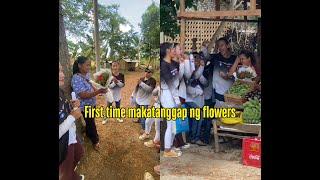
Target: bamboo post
{"x": 253, "y": 5}
{"x": 217, "y": 6}
{"x": 245, "y": 7}
{"x": 182, "y": 25}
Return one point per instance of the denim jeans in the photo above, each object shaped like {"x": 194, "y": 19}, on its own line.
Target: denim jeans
{"x": 217, "y": 96}
{"x": 117, "y": 104}
{"x": 142, "y": 120}
{"x": 194, "y": 125}
{"x": 206, "y": 124}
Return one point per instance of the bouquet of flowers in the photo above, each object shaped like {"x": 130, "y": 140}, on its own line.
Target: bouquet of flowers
{"x": 102, "y": 78}
{"x": 245, "y": 74}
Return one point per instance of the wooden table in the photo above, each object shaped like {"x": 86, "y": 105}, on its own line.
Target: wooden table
{"x": 236, "y": 128}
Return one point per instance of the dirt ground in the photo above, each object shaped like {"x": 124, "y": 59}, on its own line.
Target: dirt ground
{"x": 122, "y": 155}
{"x": 197, "y": 163}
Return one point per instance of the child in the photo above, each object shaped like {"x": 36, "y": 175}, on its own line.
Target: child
{"x": 143, "y": 92}
{"x": 115, "y": 86}
{"x": 243, "y": 66}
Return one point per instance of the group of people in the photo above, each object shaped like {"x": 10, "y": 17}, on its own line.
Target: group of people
{"x": 196, "y": 80}
{"x": 188, "y": 81}
{"x": 70, "y": 148}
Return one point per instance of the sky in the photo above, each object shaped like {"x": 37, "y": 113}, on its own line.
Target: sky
{"x": 131, "y": 10}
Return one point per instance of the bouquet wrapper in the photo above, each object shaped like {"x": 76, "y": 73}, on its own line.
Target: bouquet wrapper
{"x": 102, "y": 71}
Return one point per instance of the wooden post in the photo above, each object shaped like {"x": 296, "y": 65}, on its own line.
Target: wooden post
{"x": 259, "y": 37}
{"x": 96, "y": 34}
{"x": 253, "y": 5}
{"x": 182, "y": 25}
{"x": 194, "y": 44}
{"x": 212, "y": 15}
{"x": 258, "y": 59}
{"x": 217, "y": 6}
{"x": 245, "y": 7}
{"x": 215, "y": 134}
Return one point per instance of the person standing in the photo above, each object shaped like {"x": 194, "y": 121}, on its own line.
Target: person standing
{"x": 222, "y": 62}
{"x": 195, "y": 99}
{"x": 86, "y": 93}
{"x": 169, "y": 95}
{"x": 115, "y": 86}
{"x": 143, "y": 92}
{"x": 70, "y": 149}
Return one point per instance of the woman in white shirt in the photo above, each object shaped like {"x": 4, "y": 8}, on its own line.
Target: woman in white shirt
{"x": 244, "y": 63}
{"x": 70, "y": 150}
{"x": 169, "y": 95}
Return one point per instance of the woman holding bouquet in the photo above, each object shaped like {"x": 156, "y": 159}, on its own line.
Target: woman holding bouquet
{"x": 86, "y": 93}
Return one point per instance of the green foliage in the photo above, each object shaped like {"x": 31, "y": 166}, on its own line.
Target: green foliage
{"x": 78, "y": 18}
{"x": 168, "y": 13}
{"x": 239, "y": 89}
{"x": 150, "y": 29}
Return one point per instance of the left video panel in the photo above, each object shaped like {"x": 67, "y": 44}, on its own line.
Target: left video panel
{"x": 108, "y": 70}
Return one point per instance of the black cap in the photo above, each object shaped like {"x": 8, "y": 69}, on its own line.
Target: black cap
{"x": 149, "y": 70}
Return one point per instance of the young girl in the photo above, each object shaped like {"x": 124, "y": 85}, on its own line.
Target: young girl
{"x": 169, "y": 95}
{"x": 115, "y": 86}
{"x": 244, "y": 64}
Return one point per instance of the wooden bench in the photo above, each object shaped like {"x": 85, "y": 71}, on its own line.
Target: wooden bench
{"x": 230, "y": 129}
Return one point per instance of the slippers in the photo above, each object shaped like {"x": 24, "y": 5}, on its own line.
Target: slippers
{"x": 157, "y": 169}
{"x": 96, "y": 147}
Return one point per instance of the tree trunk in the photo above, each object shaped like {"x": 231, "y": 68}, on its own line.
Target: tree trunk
{"x": 64, "y": 58}
{"x": 96, "y": 34}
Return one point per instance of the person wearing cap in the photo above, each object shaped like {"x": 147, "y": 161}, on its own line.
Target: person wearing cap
{"x": 143, "y": 91}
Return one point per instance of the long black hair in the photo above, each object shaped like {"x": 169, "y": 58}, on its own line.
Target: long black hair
{"x": 80, "y": 60}
{"x": 163, "y": 49}
{"x": 248, "y": 54}
{"x": 225, "y": 40}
